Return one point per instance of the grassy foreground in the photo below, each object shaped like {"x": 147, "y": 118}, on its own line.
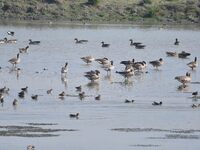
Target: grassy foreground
{"x": 106, "y": 11}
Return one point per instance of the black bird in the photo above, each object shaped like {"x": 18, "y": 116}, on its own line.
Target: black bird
{"x": 194, "y": 94}
{"x": 24, "y": 89}
{"x": 128, "y": 62}
{"x": 104, "y": 45}
{"x": 34, "y": 97}
{"x": 78, "y": 88}
{"x": 33, "y": 42}
{"x": 128, "y": 101}
{"x": 15, "y": 102}
{"x": 183, "y": 54}
{"x": 21, "y": 94}
{"x": 157, "y": 103}
{"x": 74, "y": 115}
{"x": 176, "y": 42}
{"x": 80, "y": 41}
{"x": 98, "y": 97}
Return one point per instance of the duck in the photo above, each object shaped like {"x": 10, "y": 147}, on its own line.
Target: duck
{"x": 93, "y": 75}
{"x": 98, "y": 97}
{"x": 34, "y": 97}
{"x": 74, "y": 115}
{"x": 183, "y": 54}
{"x": 78, "y": 88}
{"x": 88, "y": 59}
{"x": 15, "y": 102}
{"x": 193, "y": 64}
{"x": 14, "y": 61}
{"x": 49, "y": 91}
{"x": 11, "y": 33}
{"x": 157, "y": 103}
{"x": 157, "y": 63}
{"x": 33, "y": 42}
{"x": 172, "y": 54}
{"x": 80, "y": 41}
{"x": 176, "y": 42}
{"x": 23, "y": 50}
{"x": 128, "y": 101}
{"x": 109, "y": 67}
{"x": 104, "y": 44}
{"x": 25, "y": 89}
{"x": 184, "y": 79}
{"x": 21, "y": 94}
{"x": 65, "y": 68}
{"x": 81, "y": 95}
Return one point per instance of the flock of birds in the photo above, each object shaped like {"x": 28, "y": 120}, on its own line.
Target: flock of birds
{"x": 130, "y": 68}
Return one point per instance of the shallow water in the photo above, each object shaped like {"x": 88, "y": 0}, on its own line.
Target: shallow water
{"x": 142, "y": 125}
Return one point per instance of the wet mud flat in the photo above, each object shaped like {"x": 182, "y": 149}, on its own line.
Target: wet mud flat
{"x": 32, "y": 130}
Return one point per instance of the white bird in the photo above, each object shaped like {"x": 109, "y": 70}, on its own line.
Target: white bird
{"x": 193, "y": 64}
{"x": 184, "y": 79}
{"x": 14, "y": 61}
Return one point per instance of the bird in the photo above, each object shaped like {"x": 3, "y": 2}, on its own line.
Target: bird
{"x": 74, "y": 115}
{"x": 183, "y": 54}
{"x": 109, "y": 67}
{"x": 30, "y": 147}
{"x": 134, "y": 43}
{"x": 98, "y": 97}
{"x": 184, "y": 79}
{"x": 80, "y": 41}
{"x": 157, "y": 63}
{"x": 78, "y": 88}
{"x": 21, "y": 94}
{"x": 62, "y": 94}
{"x": 34, "y": 97}
{"x": 157, "y": 103}
{"x": 104, "y": 44}
{"x": 1, "y": 96}
{"x": 11, "y": 33}
{"x": 126, "y": 73}
{"x": 102, "y": 61}
{"x": 49, "y": 91}
{"x": 2, "y": 101}
{"x": 195, "y": 94}
{"x": 92, "y": 76}
{"x": 10, "y": 40}
{"x": 171, "y": 53}
{"x": 33, "y": 42}
{"x": 128, "y": 101}
{"x": 65, "y": 68}
{"x": 4, "y": 90}
{"x": 127, "y": 62}
{"x": 88, "y": 59}
{"x": 81, "y": 95}
{"x": 23, "y": 50}
{"x": 24, "y": 89}
{"x": 15, "y": 102}
{"x": 2, "y": 41}
{"x": 193, "y": 64}
{"x": 176, "y": 42}
{"x": 139, "y": 65}
{"x": 14, "y": 61}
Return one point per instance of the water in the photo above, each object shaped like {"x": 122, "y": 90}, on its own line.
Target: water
{"x": 98, "y": 118}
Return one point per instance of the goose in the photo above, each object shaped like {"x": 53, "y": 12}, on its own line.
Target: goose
{"x": 74, "y": 115}
{"x": 176, "y": 42}
{"x": 128, "y": 62}
{"x": 14, "y": 61}
{"x": 183, "y": 54}
{"x": 2, "y": 41}
{"x": 134, "y": 43}
{"x": 80, "y": 41}
{"x": 157, "y": 63}
{"x": 139, "y": 65}
{"x": 49, "y": 91}
{"x": 34, "y": 97}
{"x": 104, "y": 44}
{"x": 157, "y": 103}
{"x": 30, "y": 147}
{"x": 98, "y": 97}
{"x": 11, "y": 33}
{"x": 21, "y": 94}
{"x": 126, "y": 73}
{"x": 128, "y": 101}
{"x": 93, "y": 76}
{"x": 10, "y": 41}
{"x": 15, "y": 102}
{"x": 24, "y": 89}
{"x": 65, "y": 68}
{"x": 195, "y": 94}
{"x": 88, "y": 59}
{"x": 62, "y": 94}
{"x": 171, "y": 53}
{"x": 109, "y": 67}
{"x": 103, "y": 61}
{"x": 78, "y": 88}
{"x": 33, "y": 42}
{"x": 184, "y": 79}
{"x": 4, "y": 90}
{"x": 23, "y": 50}
{"x": 193, "y": 64}
{"x": 139, "y": 46}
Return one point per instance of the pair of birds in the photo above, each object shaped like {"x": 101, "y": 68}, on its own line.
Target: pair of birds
{"x": 138, "y": 45}
{"x": 85, "y": 41}
{"x": 182, "y": 54}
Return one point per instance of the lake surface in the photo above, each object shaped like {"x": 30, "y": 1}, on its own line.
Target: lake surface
{"x": 108, "y": 124}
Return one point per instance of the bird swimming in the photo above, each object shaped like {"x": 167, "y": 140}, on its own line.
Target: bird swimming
{"x": 33, "y": 42}
{"x": 104, "y": 44}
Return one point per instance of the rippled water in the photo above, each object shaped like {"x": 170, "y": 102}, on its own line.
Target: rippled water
{"x": 109, "y": 123}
